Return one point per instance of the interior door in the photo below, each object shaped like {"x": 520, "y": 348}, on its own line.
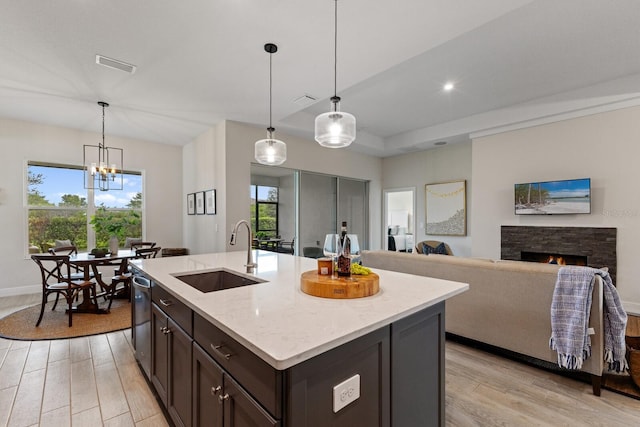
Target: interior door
{"x": 399, "y": 224}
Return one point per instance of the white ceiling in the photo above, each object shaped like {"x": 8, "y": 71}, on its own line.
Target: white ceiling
{"x": 202, "y": 61}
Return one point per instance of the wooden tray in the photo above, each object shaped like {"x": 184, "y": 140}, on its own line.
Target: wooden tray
{"x": 357, "y": 286}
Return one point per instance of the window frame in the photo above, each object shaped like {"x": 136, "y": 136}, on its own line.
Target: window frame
{"x": 90, "y": 208}
{"x": 276, "y": 203}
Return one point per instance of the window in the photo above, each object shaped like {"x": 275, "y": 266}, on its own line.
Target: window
{"x": 60, "y": 208}
{"x": 264, "y": 211}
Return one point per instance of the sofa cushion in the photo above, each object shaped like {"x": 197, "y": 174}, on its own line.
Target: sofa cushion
{"x": 61, "y": 243}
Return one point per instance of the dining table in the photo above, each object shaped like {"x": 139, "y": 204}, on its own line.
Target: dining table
{"x": 88, "y": 263}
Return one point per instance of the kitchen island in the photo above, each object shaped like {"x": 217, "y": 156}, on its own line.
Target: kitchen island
{"x": 269, "y": 354}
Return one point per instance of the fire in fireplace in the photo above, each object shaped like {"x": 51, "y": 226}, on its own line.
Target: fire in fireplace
{"x": 553, "y": 258}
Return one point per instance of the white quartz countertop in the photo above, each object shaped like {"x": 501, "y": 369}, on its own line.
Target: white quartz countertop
{"x": 280, "y": 323}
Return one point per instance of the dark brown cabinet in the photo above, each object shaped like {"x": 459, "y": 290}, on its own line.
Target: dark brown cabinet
{"x": 219, "y": 401}
{"x": 204, "y": 377}
{"x": 171, "y": 366}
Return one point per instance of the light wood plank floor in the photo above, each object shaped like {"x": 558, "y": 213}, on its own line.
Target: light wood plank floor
{"x": 88, "y": 381}
{"x": 95, "y": 381}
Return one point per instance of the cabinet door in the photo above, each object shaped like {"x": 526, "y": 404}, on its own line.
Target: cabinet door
{"x": 207, "y": 389}
{"x": 159, "y": 353}
{"x": 240, "y": 410}
{"x": 417, "y": 354}
{"x": 312, "y": 385}
{"x": 179, "y": 392}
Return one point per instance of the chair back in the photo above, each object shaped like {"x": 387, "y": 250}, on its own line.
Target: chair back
{"x": 312, "y": 252}
{"x": 64, "y": 250}
{"x": 142, "y": 245}
{"x": 147, "y": 253}
{"x": 54, "y": 269}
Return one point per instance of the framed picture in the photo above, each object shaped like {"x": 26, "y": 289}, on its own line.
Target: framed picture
{"x": 191, "y": 204}
{"x": 210, "y": 202}
{"x": 200, "y": 203}
{"x": 445, "y": 208}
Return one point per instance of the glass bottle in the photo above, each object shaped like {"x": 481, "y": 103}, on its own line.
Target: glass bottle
{"x": 344, "y": 253}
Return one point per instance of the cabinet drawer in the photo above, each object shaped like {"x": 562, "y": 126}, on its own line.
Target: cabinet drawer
{"x": 177, "y": 310}
{"x": 259, "y": 378}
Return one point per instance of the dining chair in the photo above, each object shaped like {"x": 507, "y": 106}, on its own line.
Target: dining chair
{"x": 55, "y": 272}
{"x": 77, "y": 273}
{"x": 142, "y": 245}
{"x": 147, "y": 253}
{"x": 287, "y": 247}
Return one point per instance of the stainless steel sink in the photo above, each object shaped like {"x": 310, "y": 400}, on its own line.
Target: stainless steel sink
{"x": 216, "y": 280}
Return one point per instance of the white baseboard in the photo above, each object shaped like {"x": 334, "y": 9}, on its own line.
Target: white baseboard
{"x": 631, "y": 308}
{"x": 22, "y": 290}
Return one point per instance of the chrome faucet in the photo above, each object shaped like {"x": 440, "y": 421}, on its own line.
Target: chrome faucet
{"x": 250, "y": 264}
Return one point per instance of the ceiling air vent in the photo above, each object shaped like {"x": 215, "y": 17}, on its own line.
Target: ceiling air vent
{"x": 305, "y": 100}
{"x": 114, "y": 63}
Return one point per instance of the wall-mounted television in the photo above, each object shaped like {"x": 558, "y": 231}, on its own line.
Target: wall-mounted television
{"x": 570, "y": 196}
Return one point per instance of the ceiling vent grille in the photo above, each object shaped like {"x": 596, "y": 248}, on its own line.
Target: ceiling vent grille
{"x": 115, "y": 64}
{"x": 305, "y": 100}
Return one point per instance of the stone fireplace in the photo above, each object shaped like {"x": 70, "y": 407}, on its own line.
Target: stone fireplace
{"x": 591, "y": 246}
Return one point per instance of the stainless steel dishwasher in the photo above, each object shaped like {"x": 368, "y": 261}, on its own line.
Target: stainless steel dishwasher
{"x": 141, "y": 321}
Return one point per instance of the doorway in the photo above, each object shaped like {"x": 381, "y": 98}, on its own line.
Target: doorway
{"x": 399, "y": 219}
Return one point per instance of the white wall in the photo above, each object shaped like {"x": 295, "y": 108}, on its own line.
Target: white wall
{"x": 204, "y": 168}
{"x": 22, "y": 141}
{"x": 231, "y": 159}
{"x": 603, "y": 147}
{"x": 447, "y": 163}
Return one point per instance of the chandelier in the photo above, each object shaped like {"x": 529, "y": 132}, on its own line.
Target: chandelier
{"x": 102, "y": 165}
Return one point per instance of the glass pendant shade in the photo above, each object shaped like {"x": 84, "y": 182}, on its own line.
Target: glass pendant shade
{"x": 270, "y": 151}
{"x": 335, "y": 129}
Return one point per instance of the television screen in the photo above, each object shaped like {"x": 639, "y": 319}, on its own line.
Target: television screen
{"x": 572, "y": 196}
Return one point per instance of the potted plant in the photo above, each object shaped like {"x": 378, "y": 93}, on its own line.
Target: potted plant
{"x": 111, "y": 226}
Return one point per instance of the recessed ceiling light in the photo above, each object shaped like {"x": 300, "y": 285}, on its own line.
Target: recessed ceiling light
{"x": 448, "y": 87}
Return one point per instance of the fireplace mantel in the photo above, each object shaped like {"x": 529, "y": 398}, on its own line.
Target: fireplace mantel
{"x": 598, "y": 244}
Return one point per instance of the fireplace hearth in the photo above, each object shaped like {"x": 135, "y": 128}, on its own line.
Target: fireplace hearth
{"x": 591, "y": 246}
{"x": 553, "y": 258}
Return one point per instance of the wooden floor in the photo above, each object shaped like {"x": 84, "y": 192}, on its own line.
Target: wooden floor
{"x": 89, "y": 381}
{"x": 95, "y": 381}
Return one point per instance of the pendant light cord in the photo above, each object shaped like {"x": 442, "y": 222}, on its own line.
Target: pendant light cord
{"x": 270, "y": 91}
{"x": 103, "y": 126}
{"x": 335, "y": 50}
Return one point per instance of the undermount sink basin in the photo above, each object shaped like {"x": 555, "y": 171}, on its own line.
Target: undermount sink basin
{"x": 216, "y": 280}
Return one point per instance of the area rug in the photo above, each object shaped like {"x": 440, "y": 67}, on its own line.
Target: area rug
{"x": 55, "y": 324}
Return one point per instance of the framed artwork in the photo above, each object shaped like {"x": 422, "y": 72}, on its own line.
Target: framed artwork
{"x": 191, "y": 204}
{"x": 210, "y": 202}
{"x": 200, "y": 203}
{"x": 445, "y": 208}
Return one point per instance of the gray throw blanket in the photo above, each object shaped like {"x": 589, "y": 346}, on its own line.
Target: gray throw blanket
{"x": 570, "y": 308}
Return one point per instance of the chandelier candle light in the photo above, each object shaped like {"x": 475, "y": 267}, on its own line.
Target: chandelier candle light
{"x": 270, "y": 151}
{"x": 335, "y": 129}
{"x": 103, "y": 168}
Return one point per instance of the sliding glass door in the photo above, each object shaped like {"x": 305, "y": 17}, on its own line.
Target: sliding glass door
{"x": 312, "y": 205}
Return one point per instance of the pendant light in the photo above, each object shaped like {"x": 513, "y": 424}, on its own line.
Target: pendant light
{"x": 103, "y": 168}
{"x": 270, "y": 151}
{"x": 335, "y": 129}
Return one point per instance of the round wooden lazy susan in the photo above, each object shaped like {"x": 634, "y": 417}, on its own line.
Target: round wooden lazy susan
{"x": 357, "y": 286}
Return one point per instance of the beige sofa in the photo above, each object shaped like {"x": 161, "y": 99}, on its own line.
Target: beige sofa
{"x": 508, "y": 303}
